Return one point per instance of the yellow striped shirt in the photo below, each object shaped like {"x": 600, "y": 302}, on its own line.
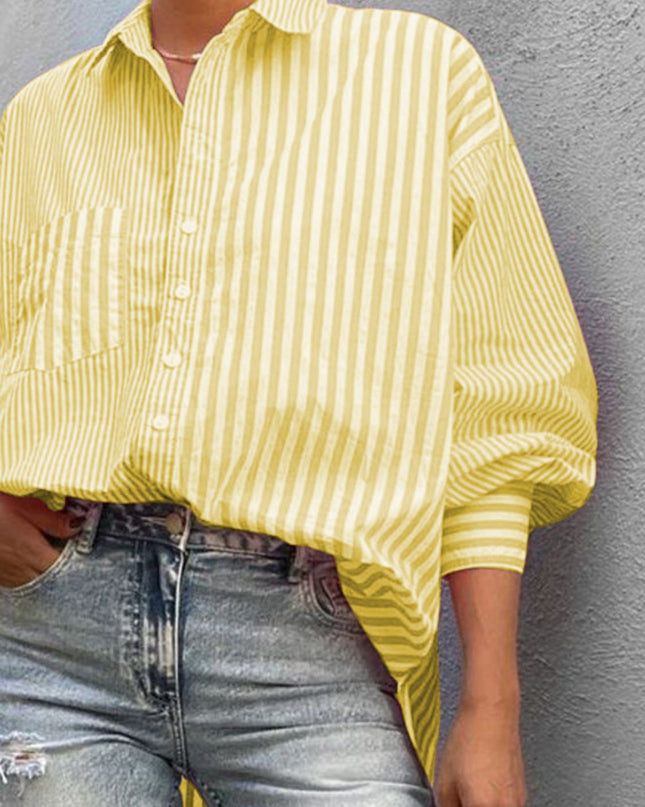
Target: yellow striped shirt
{"x": 318, "y": 300}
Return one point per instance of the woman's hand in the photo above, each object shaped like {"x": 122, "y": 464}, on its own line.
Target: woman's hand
{"x": 481, "y": 763}
{"x": 25, "y": 552}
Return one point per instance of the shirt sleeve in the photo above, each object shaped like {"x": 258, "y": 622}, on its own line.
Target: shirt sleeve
{"x": 524, "y": 392}
{"x": 491, "y": 531}
{"x": 7, "y": 280}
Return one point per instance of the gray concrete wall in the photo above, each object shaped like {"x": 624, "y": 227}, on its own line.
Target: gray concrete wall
{"x": 570, "y": 76}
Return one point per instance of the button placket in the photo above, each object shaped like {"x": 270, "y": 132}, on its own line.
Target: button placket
{"x": 183, "y": 222}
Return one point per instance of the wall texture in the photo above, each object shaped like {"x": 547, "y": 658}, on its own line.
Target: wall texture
{"x": 571, "y": 78}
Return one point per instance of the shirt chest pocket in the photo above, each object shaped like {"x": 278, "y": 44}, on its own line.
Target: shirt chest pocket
{"x": 71, "y": 301}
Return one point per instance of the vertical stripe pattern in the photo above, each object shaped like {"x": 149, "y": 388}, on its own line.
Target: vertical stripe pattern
{"x": 317, "y": 300}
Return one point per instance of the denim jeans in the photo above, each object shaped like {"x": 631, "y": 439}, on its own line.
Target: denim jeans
{"x": 156, "y": 647}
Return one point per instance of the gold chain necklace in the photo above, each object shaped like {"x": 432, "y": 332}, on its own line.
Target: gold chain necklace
{"x": 190, "y": 59}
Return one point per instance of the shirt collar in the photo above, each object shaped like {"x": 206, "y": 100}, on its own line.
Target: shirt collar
{"x": 290, "y": 16}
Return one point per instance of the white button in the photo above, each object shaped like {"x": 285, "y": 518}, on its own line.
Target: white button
{"x": 182, "y": 292}
{"x": 160, "y": 422}
{"x": 172, "y": 359}
{"x": 188, "y": 226}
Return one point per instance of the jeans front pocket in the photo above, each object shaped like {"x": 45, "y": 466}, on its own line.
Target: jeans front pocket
{"x": 72, "y": 300}
{"x": 324, "y": 598}
{"x": 59, "y": 564}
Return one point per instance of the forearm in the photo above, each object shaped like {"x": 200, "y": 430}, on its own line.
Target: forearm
{"x": 486, "y": 606}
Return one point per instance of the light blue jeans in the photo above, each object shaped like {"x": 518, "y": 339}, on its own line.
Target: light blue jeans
{"x": 156, "y": 646}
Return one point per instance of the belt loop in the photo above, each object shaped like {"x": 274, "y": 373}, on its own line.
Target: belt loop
{"x": 188, "y": 517}
{"x": 85, "y": 538}
{"x": 299, "y": 563}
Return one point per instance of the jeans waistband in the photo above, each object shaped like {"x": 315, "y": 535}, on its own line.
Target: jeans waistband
{"x": 177, "y": 525}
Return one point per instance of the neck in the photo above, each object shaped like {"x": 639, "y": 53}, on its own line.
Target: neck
{"x": 185, "y": 26}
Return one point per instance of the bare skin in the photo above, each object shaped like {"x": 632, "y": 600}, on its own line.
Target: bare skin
{"x": 481, "y": 764}
{"x": 183, "y": 27}
{"x": 180, "y": 74}
{"x": 25, "y": 523}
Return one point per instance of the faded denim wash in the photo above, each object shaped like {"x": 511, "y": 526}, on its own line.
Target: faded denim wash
{"x": 156, "y": 647}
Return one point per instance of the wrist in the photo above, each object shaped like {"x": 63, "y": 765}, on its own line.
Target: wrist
{"x": 491, "y": 685}
{"x": 507, "y": 696}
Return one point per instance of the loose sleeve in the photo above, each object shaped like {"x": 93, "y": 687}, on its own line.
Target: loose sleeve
{"x": 9, "y": 178}
{"x": 523, "y": 439}
{"x": 491, "y": 531}
{"x": 6, "y": 251}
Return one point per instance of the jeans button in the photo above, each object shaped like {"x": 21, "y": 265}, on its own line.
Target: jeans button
{"x": 174, "y": 523}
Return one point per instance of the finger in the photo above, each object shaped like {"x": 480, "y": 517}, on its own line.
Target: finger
{"x": 25, "y": 554}
{"x": 14, "y": 510}
{"x": 46, "y": 556}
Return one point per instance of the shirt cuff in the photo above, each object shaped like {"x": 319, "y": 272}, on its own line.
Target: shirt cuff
{"x": 491, "y": 531}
